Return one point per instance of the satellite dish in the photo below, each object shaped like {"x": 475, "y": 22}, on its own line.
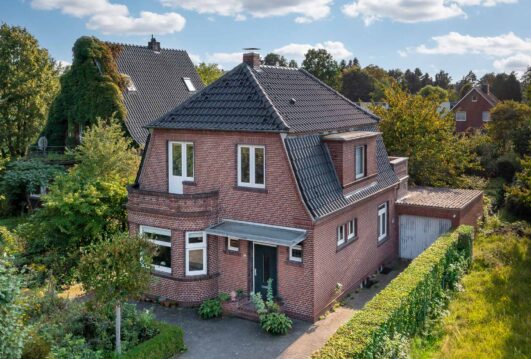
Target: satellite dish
{"x": 42, "y": 143}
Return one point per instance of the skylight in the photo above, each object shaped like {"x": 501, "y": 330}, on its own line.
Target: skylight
{"x": 189, "y": 85}
{"x": 129, "y": 83}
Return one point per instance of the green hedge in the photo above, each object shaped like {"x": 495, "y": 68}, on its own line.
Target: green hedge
{"x": 162, "y": 346}
{"x": 403, "y": 306}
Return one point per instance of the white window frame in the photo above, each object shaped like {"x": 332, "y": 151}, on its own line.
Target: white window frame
{"x": 340, "y": 234}
{"x": 474, "y": 98}
{"x": 291, "y": 257}
{"x": 163, "y": 232}
{"x": 351, "y": 229}
{"x": 229, "y": 247}
{"x": 383, "y": 220}
{"x": 252, "y": 173}
{"x": 483, "y": 116}
{"x": 362, "y": 173}
{"x": 194, "y": 246}
{"x": 457, "y": 116}
{"x": 189, "y": 84}
{"x": 175, "y": 182}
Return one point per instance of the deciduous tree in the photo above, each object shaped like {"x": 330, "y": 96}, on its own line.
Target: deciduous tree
{"x": 322, "y": 65}
{"x": 208, "y": 72}
{"x": 434, "y": 93}
{"x": 507, "y": 87}
{"x": 273, "y": 59}
{"x": 509, "y": 120}
{"x": 357, "y": 85}
{"x": 28, "y": 84}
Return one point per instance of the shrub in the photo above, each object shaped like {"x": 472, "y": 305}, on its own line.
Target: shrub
{"x": 401, "y": 309}
{"x": 75, "y": 348}
{"x": 210, "y": 308}
{"x": 507, "y": 165}
{"x": 224, "y": 297}
{"x": 271, "y": 319}
{"x": 36, "y": 347}
{"x": 165, "y": 345}
{"x": 519, "y": 194}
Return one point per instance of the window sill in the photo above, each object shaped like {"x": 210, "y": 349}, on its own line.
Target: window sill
{"x": 382, "y": 242}
{"x": 189, "y": 183}
{"x": 346, "y": 244}
{"x": 294, "y": 263}
{"x": 230, "y": 252}
{"x": 250, "y": 189}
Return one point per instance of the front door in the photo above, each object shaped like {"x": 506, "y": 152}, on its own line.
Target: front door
{"x": 180, "y": 165}
{"x": 265, "y": 267}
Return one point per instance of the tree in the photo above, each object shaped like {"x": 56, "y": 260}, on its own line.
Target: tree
{"x": 273, "y": 59}
{"x": 322, "y": 65}
{"x": 293, "y": 64}
{"x": 434, "y": 93}
{"x": 86, "y": 203}
{"x": 90, "y": 89}
{"x": 519, "y": 193}
{"x": 12, "y": 332}
{"x": 509, "y": 120}
{"x": 442, "y": 79}
{"x": 22, "y": 178}
{"x": 116, "y": 270}
{"x": 526, "y": 86}
{"x": 507, "y": 87}
{"x": 208, "y": 72}
{"x": 412, "y": 80}
{"x": 357, "y": 85}
{"x": 426, "y": 80}
{"x": 28, "y": 84}
{"x": 412, "y": 127}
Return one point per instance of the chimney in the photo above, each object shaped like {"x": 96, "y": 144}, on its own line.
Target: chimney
{"x": 252, "y": 58}
{"x": 154, "y": 44}
{"x": 485, "y": 88}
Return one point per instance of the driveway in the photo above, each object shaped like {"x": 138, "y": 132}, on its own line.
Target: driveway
{"x": 231, "y": 337}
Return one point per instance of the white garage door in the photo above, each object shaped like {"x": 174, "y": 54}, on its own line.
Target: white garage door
{"x": 418, "y": 233}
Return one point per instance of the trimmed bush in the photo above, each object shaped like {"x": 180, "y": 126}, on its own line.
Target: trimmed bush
{"x": 165, "y": 345}
{"x": 403, "y": 306}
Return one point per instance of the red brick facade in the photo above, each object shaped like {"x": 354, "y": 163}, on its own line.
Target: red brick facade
{"x": 474, "y": 104}
{"x": 306, "y": 288}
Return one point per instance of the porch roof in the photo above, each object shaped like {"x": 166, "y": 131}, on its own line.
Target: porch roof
{"x": 264, "y": 233}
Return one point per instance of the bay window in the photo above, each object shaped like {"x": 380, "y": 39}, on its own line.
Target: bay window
{"x": 196, "y": 253}
{"x": 162, "y": 239}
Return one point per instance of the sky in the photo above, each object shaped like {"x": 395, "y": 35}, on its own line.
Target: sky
{"x": 453, "y": 35}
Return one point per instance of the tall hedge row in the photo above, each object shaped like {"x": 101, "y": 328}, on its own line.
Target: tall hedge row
{"x": 403, "y": 306}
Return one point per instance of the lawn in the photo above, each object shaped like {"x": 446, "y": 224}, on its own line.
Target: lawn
{"x": 491, "y": 316}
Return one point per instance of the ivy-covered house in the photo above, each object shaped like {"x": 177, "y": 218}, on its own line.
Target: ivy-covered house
{"x": 131, "y": 83}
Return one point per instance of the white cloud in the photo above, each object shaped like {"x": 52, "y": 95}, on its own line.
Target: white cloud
{"x": 297, "y": 51}
{"x": 512, "y": 52}
{"x": 225, "y": 60}
{"x": 307, "y": 10}
{"x": 410, "y": 11}
{"x": 196, "y": 59}
{"x": 112, "y": 18}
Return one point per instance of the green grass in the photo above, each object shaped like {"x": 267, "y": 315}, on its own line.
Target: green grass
{"x": 491, "y": 317}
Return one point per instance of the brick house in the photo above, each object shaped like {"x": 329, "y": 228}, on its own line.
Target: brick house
{"x": 268, "y": 173}
{"x": 473, "y": 110}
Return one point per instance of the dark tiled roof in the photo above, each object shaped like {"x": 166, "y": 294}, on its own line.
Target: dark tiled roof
{"x": 450, "y": 198}
{"x": 268, "y": 98}
{"x": 317, "y": 178}
{"x": 158, "y": 78}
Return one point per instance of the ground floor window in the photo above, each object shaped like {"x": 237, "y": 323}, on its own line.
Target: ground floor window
{"x": 295, "y": 253}
{"x": 233, "y": 244}
{"x": 162, "y": 239}
{"x": 382, "y": 222}
{"x": 196, "y": 253}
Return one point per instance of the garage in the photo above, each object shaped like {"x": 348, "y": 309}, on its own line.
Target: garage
{"x": 425, "y": 213}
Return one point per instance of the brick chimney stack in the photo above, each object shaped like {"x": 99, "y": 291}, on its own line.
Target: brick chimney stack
{"x": 485, "y": 88}
{"x": 154, "y": 45}
{"x": 252, "y": 58}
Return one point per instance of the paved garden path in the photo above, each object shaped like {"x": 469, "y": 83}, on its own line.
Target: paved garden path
{"x": 238, "y": 338}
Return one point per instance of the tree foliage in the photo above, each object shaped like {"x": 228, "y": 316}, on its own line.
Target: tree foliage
{"x": 519, "y": 193}
{"x": 90, "y": 89}
{"x": 86, "y": 203}
{"x": 28, "y": 84}
{"x": 273, "y": 59}
{"x": 208, "y": 72}
{"x": 434, "y": 93}
{"x": 22, "y": 178}
{"x": 357, "y": 85}
{"x": 442, "y": 80}
{"x": 412, "y": 127}
{"x": 509, "y": 120}
{"x": 322, "y": 65}
{"x": 507, "y": 87}
{"x": 12, "y": 332}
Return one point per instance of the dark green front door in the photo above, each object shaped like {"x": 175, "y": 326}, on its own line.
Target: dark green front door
{"x": 265, "y": 265}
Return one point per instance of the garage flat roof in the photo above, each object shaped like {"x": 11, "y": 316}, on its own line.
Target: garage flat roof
{"x": 448, "y": 198}
{"x": 284, "y": 236}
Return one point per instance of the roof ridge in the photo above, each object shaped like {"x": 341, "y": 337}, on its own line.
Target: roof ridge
{"x": 280, "y": 67}
{"x": 264, "y": 94}
{"x": 339, "y": 94}
{"x": 142, "y": 47}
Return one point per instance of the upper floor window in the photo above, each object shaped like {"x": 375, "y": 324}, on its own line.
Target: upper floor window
{"x": 351, "y": 229}
{"x": 196, "y": 253}
{"x": 341, "y": 235}
{"x": 485, "y": 116}
{"x": 251, "y": 166}
{"x": 360, "y": 162}
{"x": 382, "y": 222}
{"x": 180, "y": 165}
{"x": 189, "y": 84}
{"x": 474, "y": 98}
{"x": 460, "y": 116}
{"x": 162, "y": 239}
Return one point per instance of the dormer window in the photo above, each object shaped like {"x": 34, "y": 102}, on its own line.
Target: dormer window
{"x": 360, "y": 161}
{"x": 189, "y": 85}
{"x": 129, "y": 84}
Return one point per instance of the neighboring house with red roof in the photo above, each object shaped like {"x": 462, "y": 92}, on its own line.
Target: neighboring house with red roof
{"x": 473, "y": 110}
{"x": 268, "y": 173}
